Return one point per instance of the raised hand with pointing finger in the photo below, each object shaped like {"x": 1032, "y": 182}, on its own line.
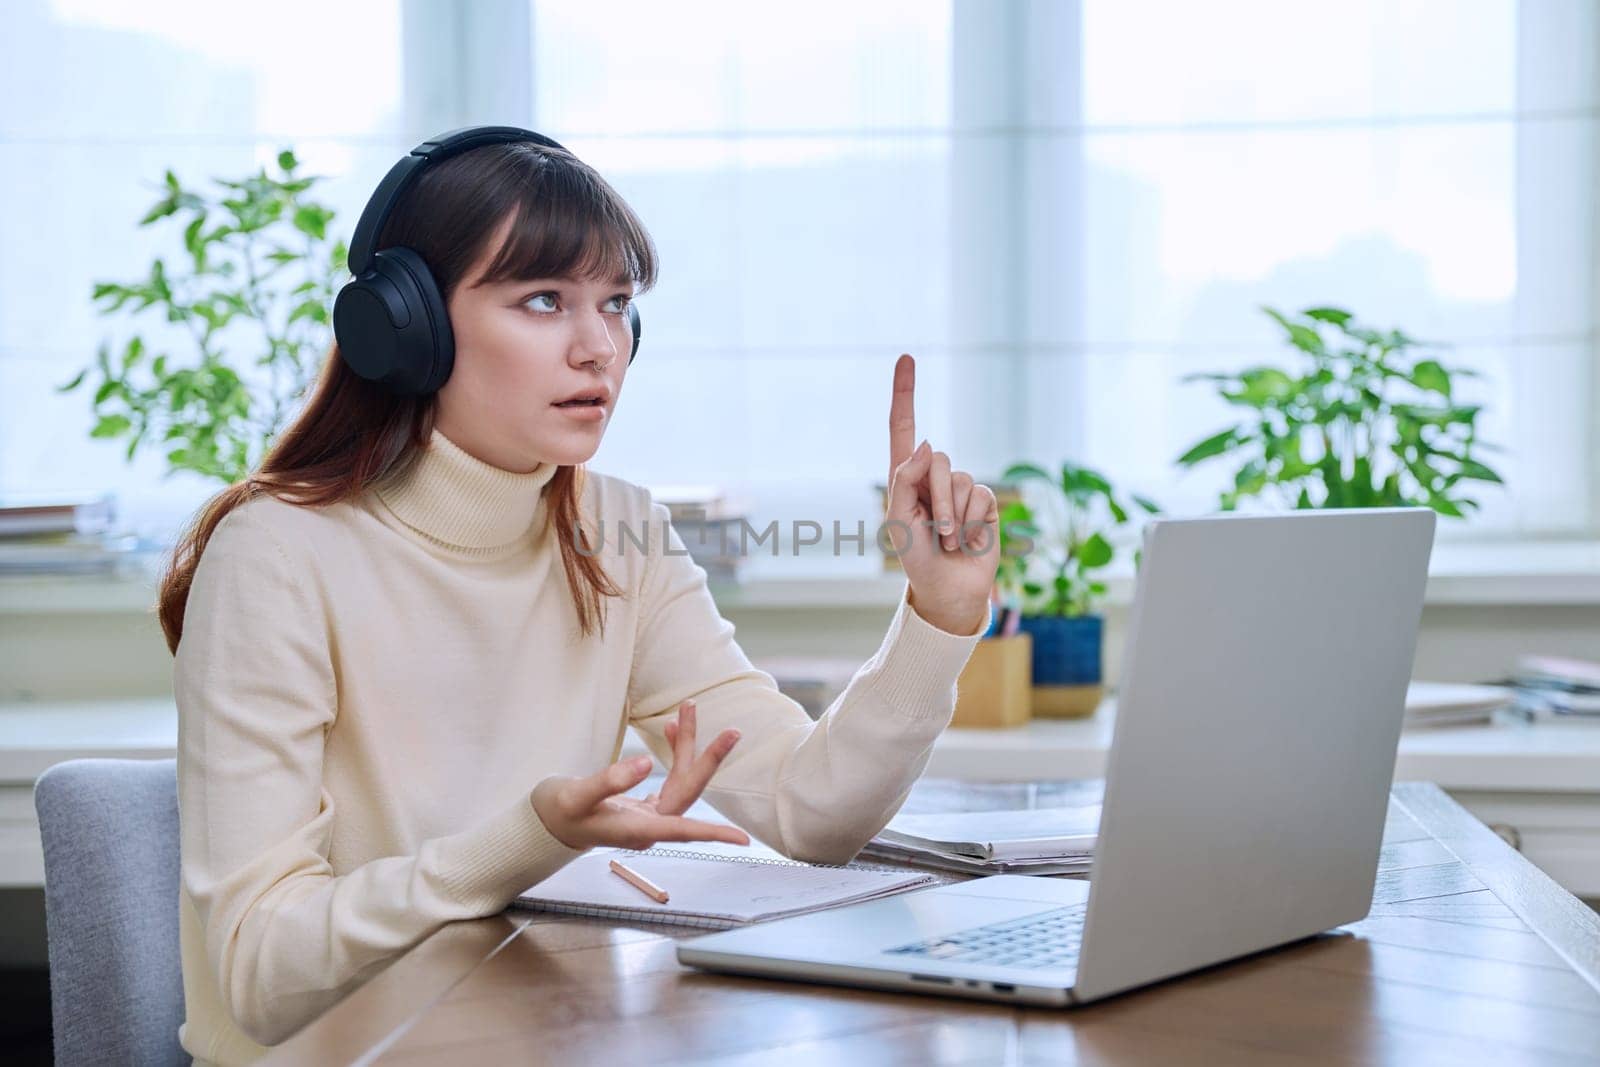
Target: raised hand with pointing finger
{"x": 944, "y": 526}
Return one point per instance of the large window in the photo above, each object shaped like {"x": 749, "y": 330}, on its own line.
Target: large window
{"x": 97, "y": 100}
{"x": 794, "y": 166}
{"x": 1060, "y": 208}
{"x": 1426, "y": 164}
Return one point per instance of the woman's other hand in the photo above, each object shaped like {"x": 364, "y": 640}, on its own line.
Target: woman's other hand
{"x": 588, "y": 812}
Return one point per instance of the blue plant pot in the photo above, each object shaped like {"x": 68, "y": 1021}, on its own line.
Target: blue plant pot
{"x": 1066, "y": 651}
{"x": 1066, "y": 665}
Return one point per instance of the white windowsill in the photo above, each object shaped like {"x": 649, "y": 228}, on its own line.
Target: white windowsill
{"x": 1510, "y": 573}
{"x": 1507, "y": 754}
{"x": 1538, "y": 779}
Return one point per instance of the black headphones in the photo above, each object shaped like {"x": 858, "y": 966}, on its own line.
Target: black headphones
{"x": 389, "y": 319}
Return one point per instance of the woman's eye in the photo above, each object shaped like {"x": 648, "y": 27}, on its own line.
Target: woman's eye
{"x": 618, "y": 304}
{"x": 541, "y": 302}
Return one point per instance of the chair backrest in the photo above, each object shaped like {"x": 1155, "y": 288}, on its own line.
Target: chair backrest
{"x": 110, "y": 832}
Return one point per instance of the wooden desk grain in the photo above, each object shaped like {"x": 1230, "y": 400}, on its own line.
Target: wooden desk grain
{"x": 1470, "y": 955}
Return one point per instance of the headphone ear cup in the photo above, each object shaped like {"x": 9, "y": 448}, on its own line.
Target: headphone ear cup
{"x": 633, "y": 322}
{"x": 434, "y": 351}
{"x": 392, "y": 327}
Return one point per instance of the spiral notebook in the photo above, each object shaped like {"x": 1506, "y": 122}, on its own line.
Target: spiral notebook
{"x": 712, "y": 890}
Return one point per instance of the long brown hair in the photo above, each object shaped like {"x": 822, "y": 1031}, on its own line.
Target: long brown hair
{"x": 353, "y": 434}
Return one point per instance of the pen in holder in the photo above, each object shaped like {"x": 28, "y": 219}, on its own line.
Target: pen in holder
{"x": 996, "y": 686}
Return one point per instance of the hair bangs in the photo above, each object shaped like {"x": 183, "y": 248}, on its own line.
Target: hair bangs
{"x": 569, "y": 223}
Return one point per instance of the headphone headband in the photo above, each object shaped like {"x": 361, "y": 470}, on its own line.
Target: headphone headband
{"x": 402, "y": 174}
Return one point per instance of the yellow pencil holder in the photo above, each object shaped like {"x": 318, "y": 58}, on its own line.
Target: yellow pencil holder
{"x": 995, "y": 689}
{"x": 1066, "y": 701}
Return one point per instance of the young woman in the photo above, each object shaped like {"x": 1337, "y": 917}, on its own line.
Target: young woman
{"x": 405, "y": 659}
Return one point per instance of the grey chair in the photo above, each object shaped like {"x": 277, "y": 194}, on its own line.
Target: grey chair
{"x": 110, "y": 830}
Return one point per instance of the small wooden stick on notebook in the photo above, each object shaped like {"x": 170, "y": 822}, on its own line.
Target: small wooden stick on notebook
{"x": 640, "y": 882}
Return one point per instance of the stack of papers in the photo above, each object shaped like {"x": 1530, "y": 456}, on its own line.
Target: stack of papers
{"x": 62, "y": 535}
{"x": 1557, "y": 687}
{"x": 710, "y": 521}
{"x": 1028, "y": 841}
{"x": 1441, "y": 704}
{"x": 43, "y": 516}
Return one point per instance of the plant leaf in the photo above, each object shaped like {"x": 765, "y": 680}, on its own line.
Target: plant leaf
{"x": 1215, "y": 445}
{"x": 162, "y": 209}
{"x": 312, "y": 220}
{"x": 1023, "y": 471}
{"x": 1302, "y": 337}
{"x": 1096, "y": 551}
{"x": 1331, "y": 315}
{"x": 1471, "y": 468}
{"x": 111, "y": 426}
{"x": 1263, "y": 385}
{"x": 1431, "y": 375}
{"x": 1082, "y": 478}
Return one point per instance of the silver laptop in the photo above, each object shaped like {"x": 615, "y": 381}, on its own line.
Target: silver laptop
{"x": 1258, "y": 716}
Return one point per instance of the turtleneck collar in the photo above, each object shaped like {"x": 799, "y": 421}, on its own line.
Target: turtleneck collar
{"x": 458, "y": 500}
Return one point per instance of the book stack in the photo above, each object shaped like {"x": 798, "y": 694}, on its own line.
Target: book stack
{"x": 1027, "y": 841}
{"x": 61, "y": 535}
{"x": 1441, "y": 704}
{"x": 1552, "y": 687}
{"x": 709, "y": 521}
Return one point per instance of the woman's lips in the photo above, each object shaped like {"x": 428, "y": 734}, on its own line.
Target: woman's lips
{"x": 583, "y": 412}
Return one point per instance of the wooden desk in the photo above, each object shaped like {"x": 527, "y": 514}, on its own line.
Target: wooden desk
{"x": 1470, "y": 955}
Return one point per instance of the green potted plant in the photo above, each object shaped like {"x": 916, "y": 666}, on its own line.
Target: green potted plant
{"x": 1364, "y": 421}
{"x": 1050, "y": 559}
{"x": 253, "y": 297}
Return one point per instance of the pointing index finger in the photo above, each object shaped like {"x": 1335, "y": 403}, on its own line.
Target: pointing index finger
{"x": 902, "y": 413}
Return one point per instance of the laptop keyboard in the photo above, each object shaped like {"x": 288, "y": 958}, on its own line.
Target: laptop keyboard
{"x": 1044, "y": 939}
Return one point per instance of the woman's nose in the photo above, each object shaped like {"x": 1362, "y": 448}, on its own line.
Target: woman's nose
{"x": 596, "y": 342}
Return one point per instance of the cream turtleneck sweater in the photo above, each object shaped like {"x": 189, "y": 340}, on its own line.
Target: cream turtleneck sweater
{"x": 368, "y": 693}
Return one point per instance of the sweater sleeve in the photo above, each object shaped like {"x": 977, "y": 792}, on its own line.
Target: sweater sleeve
{"x": 814, "y": 791}
{"x": 285, "y": 936}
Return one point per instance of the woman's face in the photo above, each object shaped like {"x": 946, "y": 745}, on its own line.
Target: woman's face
{"x": 524, "y": 347}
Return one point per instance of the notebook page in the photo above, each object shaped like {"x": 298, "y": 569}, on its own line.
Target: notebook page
{"x": 720, "y": 888}
{"x": 1016, "y": 834}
